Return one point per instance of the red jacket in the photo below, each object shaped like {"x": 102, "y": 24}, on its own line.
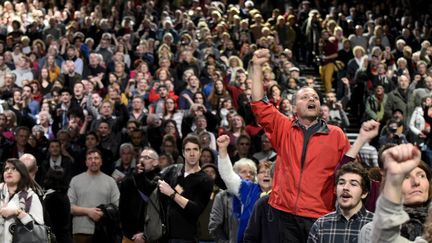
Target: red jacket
{"x": 305, "y": 190}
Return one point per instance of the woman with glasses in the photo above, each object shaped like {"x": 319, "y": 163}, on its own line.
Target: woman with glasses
{"x": 18, "y": 201}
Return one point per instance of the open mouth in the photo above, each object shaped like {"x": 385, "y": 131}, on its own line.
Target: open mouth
{"x": 346, "y": 196}
{"x": 311, "y": 107}
{"x": 266, "y": 180}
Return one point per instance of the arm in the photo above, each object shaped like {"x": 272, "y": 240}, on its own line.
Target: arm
{"x": 314, "y": 234}
{"x": 388, "y": 107}
{"x": 426, "y": 116}
{"x": 231, "y": 179}
{"x": 79, "y": 66}
{"x": 93, "y": 213}
{"x": 343, "y": 115}
{"x": 347, "y": 92}
{"x": 216, "y": 220}
{"x": 368, "y": 131}
{"x": 412, "y": 126}
{"x": 193, "y": 207}
{"x": 259, "y": 58}
{"x": 371, "y": 113}
{"x": 399, "y": 161}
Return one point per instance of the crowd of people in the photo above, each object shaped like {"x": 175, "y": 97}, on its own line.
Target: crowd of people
{"x": 206, "y": 106}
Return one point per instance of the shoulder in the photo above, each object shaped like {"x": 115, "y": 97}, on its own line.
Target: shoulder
{"x": 107, "y": 178}
{"x": 336, "y": 130}
{"x": 78, "y": 178}
{"x": 368, "y": 215}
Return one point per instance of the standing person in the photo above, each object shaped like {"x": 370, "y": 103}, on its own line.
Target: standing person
{"x": 401, "y": 169}
{"x": 303, "y": 172}
{"x": 57, "y": 205}
{"x": 246, "y": 191}
{"x": 344, "y": 224}
{"x": 17, "y": 199}
{"x": 87, "y": 191}
{"x": 188, "y": 197}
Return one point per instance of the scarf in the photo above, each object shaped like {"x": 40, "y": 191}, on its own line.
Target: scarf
{"x": 414, "y": 226}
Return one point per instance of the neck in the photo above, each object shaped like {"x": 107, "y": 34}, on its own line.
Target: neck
{"x": 92, "y": 173}
{"x": 308, "y": 122}
{"x": 348, "y": 213}
{"x": 192, "y": 168}
{"x": 55, "y": 157}
{"x": 266, "y": 189}
{"x": 12, "y": 188}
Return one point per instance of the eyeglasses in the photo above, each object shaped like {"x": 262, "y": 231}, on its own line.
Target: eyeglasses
{"x": 146, "y": 157}
{"x": 11, "y": 169}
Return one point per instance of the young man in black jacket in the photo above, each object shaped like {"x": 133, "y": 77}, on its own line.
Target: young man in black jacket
{"x": 186, "y": 193}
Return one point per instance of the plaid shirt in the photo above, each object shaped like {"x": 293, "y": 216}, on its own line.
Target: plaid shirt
{"x": 334, "y": 227}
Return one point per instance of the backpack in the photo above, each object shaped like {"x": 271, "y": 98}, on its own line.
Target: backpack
{"x": 155, "y": 215}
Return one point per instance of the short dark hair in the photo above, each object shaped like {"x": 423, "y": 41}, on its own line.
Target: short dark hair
{"x": 191, "y": 139}
{"x": 54, "y": 141}
{"x": 22, "y": 128}
{"x": 56, "y": 180}
{"x": 92, "y": 151}
{"x": 355, "y": 168}
{"x": 94, "y": 134}
{"x": 241, "y": 137}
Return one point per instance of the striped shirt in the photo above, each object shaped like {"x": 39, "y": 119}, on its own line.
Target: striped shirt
{"x": 335, "y": 228}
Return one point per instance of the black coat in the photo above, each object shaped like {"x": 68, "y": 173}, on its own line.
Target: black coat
{"x": 57, "y": 207}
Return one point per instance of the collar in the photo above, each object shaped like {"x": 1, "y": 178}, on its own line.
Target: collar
{"x": 360, "y": 214}
{"x": 319, "y": 127}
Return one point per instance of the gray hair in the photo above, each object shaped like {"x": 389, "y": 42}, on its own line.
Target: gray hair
{"x": 245, "y": 162}
{"x": 126, "y": 146}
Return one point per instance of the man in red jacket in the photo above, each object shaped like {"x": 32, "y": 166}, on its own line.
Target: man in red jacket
{"x": 309, "y": 151}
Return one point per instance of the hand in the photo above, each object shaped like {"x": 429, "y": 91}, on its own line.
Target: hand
{"x": 8, "y": 212}
{"x": 138, "y": 238}
{"x": 345, "y": 81}
{"x": 88, "y": 118}
{"x": 60, "y": 111}
{"x": 422, "y": 135}
{"x": 339, "y": 105}
{"x": 369, "y": 130}
{"x": 260, "y": 57}
{"x": 140, "y": 168}
{"x": 399, "y": 161}
{"x": 95, "y": 214}
{"x": 425, "y": 44}
{"x": 165, "y": 188}
{"x": 223, "y": 141}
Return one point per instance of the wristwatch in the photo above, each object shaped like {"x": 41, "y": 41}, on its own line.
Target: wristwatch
{"x": 19, "y": 211}
{"x": 172, "y": 196}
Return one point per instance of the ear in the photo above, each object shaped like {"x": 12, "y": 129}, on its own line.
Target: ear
{"x": 364, "y": 195}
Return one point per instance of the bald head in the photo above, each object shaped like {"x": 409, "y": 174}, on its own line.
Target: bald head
{"x": 30, "y": 162}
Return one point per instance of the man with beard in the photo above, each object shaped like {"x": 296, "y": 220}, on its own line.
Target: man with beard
{"x": 344, "y": 224}
{"x": 131, "y": 199}
{"x": 87, "y": 191}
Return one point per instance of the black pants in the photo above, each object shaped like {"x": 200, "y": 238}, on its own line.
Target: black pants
{"x": 293, "y": 228}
